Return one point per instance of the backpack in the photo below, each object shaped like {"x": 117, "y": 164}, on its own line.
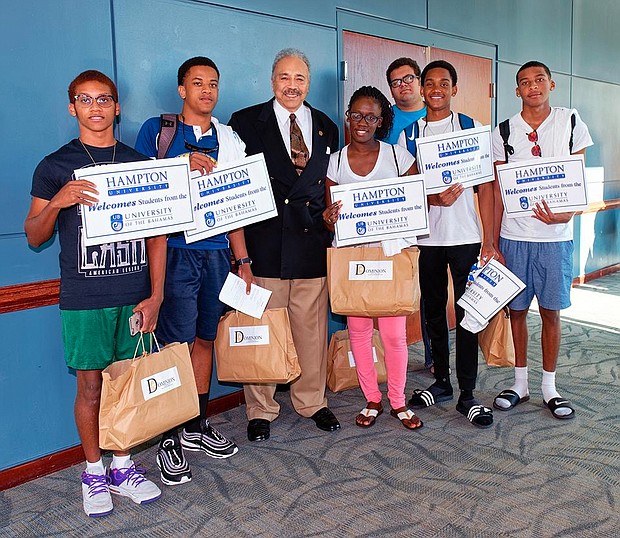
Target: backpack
{"x": 504, "y": 131}
{"x": 412, "y": 132}
{"x": 167, "y": 132}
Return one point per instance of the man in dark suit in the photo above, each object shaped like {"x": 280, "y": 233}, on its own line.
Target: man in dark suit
{"x": 288, "y": 252}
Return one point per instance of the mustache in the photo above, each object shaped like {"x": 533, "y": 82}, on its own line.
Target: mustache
{"x": 293, "y": 92}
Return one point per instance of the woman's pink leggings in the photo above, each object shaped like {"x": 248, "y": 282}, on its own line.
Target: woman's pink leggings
{"x": 394, "y": 338}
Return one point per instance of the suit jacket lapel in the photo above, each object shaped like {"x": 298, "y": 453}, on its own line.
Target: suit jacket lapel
{"x": 276, "y": 151}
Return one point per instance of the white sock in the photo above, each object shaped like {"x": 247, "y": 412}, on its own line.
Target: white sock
{"x": 549, "y": 392}
{"x": 520, "y": 386}
{"x": 96, "y": 467}
{"x": 120, "y": 462}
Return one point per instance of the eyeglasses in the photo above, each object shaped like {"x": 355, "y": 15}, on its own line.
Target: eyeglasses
{"x": 370, "y": 119}
{"x": 407, "y": 79}
{"x": 200, "y": 149}
{"x": 533, "y": 137}
{"x": 104, "y": 100}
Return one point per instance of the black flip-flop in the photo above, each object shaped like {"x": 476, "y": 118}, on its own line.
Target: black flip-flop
{"x": 510, "y": 396}
{"x": 478, "y": 414}
{"x": 556, "y": 403}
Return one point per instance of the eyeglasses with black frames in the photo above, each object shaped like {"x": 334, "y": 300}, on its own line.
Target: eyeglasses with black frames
{"x": 407, "y": 79}
{"x": 370, "y": 119}
{"x": 104, "y": 100}
{"x": 533, "y": 137}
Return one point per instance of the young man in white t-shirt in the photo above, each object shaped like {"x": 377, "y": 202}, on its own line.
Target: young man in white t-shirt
{"x": 538, "y": 248}
{"x": 455, "y": 241}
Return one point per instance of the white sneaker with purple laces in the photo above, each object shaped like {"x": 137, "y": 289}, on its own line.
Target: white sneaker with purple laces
{"x": 130, "y": 482}
{"x": 96, "y": 496}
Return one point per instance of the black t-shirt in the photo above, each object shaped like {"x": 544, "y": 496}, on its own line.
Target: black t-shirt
{"x": 102, "y": 276}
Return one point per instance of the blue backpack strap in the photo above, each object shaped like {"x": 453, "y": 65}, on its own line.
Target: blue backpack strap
{"x": 411, "y": 135}
{"x": 465, "y": 121}
{"x": 167, "y": 131}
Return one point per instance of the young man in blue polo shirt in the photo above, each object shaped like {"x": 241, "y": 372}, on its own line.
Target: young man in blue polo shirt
{"x": 196, "y": 271}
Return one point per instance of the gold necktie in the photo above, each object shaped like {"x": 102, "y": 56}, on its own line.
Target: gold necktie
{"x": 299, "y": 150}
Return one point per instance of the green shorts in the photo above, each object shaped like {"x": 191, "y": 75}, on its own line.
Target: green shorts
{"x": 94, "y": 339}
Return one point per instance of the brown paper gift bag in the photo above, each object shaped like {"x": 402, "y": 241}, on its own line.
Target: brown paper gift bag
{"x": 250, "y": 350}
{"x": 146, "y": 396}
{"x": 496, "y": 341}
{"x": 362, "y": 281}
{"x": 341, "y": 371}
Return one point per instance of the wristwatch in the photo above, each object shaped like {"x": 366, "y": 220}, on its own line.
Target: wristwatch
{"x": 241, "y": 261}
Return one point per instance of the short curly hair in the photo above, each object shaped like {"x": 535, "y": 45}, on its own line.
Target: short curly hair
{"x": 92, "y": 75}
{"x": 387, "y": 115}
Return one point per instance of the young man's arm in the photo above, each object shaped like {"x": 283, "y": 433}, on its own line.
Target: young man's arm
{"x": 156, "y": 252}
{"x": 486, "y": 205}
{"x": 498, "y": 212}
{"x": 41, "y": 218}
{"x": 237, "y": 245}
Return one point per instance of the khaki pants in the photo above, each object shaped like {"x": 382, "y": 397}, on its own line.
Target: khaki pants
{"x": 306, "y": 300}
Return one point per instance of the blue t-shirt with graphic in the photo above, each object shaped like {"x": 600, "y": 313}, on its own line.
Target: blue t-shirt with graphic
{"x": 101, "y": 276}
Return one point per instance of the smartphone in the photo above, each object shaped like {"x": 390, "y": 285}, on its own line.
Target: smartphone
{"x": 135, "y": 323}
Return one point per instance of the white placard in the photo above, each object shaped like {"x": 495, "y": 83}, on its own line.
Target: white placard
{"x": 463, "y": 157}
{"x": 380, "y": 209}
{"x": 492, "y": 289}
{"x": 233, "y": 294}
{"x": 137, "y": 199}
{"x": 233, "y": 195}
{"x": 561, "y": 181}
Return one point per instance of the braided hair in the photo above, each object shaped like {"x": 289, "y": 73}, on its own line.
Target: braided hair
{"x": 386, "y": 108}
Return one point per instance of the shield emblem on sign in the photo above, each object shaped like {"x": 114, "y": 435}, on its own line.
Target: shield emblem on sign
{"x": 525, "y": 204}
{"x": 446, "y": 176}
{"x": 116, "y": 222}
{"x": 360, "y": 227}
{"x": 210, "y": 219}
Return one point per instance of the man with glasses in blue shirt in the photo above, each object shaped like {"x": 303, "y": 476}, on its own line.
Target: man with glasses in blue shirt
{"x": 403, "y": 78}
{"x": 195, "y": 272}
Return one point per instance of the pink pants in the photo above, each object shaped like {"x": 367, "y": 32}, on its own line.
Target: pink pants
{"x": 394, "y": 338}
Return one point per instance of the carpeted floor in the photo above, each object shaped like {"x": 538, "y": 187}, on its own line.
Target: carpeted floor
{"x": 529, "y": 475}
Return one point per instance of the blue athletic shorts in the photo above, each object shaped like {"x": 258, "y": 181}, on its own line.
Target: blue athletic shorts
{"x": 546, "y": 269}
{"x": 191, "y": 307}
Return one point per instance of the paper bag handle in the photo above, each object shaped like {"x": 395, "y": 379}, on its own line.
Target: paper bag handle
{"x": 141, "y": 341}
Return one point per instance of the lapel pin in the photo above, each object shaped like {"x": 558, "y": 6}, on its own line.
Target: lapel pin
{"x": 320, "y": 133}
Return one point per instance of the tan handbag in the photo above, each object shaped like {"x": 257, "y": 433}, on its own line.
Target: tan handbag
{"x": 362, "y": 281}
{"x": 496, "y": 341}
{"x": 341, "y": 370}
{"x": 250, "y": 350}
{"x": 145, "y": 396}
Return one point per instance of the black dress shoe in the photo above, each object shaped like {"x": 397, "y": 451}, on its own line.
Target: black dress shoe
{"x": 325, "y": 420}
{"x": 258, "y": 429}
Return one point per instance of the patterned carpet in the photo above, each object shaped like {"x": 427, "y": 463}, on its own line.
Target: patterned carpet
{"x": 529, "y": 475}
